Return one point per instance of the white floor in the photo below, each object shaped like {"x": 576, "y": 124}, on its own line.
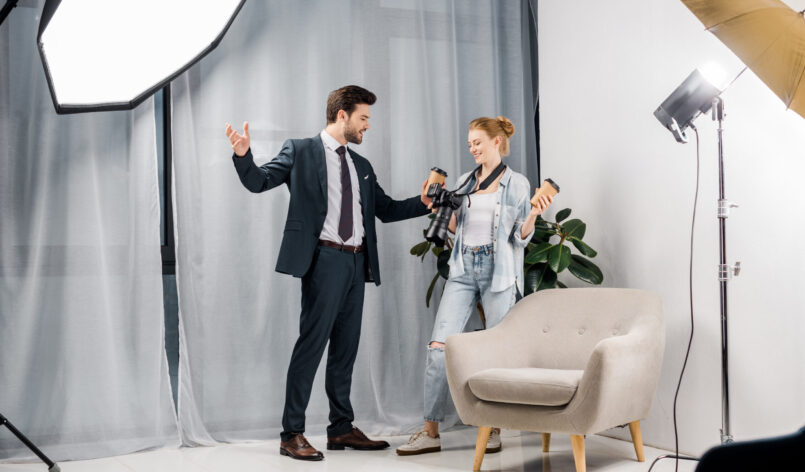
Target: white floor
{"x": 521, "y": 452}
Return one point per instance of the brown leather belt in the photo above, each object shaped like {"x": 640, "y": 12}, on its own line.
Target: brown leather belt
{"x": 342, "y": 247}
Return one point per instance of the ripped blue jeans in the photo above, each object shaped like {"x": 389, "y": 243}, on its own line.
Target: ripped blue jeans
{"x": 461, "y": 294}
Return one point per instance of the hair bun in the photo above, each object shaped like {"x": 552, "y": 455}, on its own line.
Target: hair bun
{"x": 506, "y": 125}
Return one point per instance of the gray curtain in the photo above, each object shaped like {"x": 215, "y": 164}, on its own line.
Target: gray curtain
{"x": 82, "y": 364}
{"x": 434, "y": 65}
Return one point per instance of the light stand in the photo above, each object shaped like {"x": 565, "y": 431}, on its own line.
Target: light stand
{"x": 52, "y": 466}
{"x": 725, "y": 273}
{"x": 694, "y": 96}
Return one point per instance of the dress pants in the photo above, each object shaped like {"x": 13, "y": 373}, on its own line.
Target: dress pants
{"x": 332, "y": 306}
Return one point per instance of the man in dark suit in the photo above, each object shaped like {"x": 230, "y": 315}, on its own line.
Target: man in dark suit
{"x": 329, "y": 242}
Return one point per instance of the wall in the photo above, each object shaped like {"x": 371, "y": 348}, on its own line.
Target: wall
{"x": 604, "y": 67}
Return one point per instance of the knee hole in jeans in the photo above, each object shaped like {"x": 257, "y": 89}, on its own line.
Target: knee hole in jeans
{"x": 436, "y": 345}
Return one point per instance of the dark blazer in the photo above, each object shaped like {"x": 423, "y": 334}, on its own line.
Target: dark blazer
{"x": 301, "y": 166}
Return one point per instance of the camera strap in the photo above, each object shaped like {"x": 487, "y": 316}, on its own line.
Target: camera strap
{"x": 486, "y": 183}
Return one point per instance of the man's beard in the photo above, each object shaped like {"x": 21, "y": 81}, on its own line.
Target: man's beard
{"x": 352, "y": 135}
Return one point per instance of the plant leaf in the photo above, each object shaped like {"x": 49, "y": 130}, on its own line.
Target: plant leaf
{"x": 425, "y": 252}
{"x": 420, "y": 248}
{"x": 430, "y": 289}
{"x": 585, "y": 270}
{"x": 442, "y": 264}
{"x": 562, "y": 215}
{"x": 574, "y": 228}
{"x": 539, "y": 277}
{"x": 583, "y": 247}
{"x": 560, "y": 284}
{"x": 532, "y": 279}
{"x": 559, "y": 258}
{"x": 542, "y": 232}
{"x": 538, "y": 254}
{"x": 437, "y": 250}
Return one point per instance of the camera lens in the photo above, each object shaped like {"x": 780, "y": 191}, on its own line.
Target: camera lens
{"x": 437, "y": 231}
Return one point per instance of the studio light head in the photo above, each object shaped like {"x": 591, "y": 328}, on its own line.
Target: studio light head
{"x": 112, "y": 55}
{"x": 694, "y": 96}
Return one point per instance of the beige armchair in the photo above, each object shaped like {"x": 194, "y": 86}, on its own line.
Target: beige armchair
{"x": 574, "y": 361}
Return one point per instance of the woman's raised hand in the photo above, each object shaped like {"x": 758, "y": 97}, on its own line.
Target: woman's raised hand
{"x": 542, "y": 204}
{"x": 240, "y": 142}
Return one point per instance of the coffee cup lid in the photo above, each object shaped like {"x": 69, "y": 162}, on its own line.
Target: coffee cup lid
{"x": 553, "y": 184}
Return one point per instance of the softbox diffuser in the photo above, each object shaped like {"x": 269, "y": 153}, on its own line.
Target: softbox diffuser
{"x": 113, "y": 54}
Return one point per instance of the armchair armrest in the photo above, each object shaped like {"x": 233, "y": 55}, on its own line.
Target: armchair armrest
{"x": 466, "y": 354}
{"x": 469, "y": 353}
{"x": 619, "y": 382}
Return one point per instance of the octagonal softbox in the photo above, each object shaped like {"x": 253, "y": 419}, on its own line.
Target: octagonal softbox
{"x": 113, "y": 54}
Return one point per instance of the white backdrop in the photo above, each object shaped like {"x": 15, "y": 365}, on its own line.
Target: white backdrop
{"x": 603, "y": 71}
{"x": 434, "y": 65}
{"x": 82, "y": 363}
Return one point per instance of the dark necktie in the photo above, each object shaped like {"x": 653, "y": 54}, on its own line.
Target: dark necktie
{"x": 345, "y": 222}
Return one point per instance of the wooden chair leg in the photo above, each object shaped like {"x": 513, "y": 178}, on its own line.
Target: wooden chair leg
{"x": 637, "y": 439}
{"x": 578, "y": 452}
{"x": 546, "y": 442}
{"x": 480, "y": 446}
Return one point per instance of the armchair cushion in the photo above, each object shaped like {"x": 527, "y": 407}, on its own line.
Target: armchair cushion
{"x": 526, "y": 385}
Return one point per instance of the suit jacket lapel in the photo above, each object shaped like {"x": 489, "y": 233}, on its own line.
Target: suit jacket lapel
{"x": 321, "y": 165}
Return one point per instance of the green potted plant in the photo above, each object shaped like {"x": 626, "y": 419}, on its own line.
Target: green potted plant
{"x": 546, "y": 255}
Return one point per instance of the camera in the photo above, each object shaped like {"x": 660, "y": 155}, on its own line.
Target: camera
{"x": 446, "y": 201}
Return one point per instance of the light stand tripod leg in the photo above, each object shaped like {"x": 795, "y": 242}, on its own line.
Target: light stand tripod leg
{"x": 52, "y": 466}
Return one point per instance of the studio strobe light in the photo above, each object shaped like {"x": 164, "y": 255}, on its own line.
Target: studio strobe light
{"x": 112, "y": 55}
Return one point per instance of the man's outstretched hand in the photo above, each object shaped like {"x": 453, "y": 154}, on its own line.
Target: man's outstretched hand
{"x": 423, "y": 197}
{"x": 240, "y": 143}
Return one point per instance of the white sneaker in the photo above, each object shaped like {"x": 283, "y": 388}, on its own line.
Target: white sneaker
{"x": 493, "y": 445}
{"x": 421, "y": 443}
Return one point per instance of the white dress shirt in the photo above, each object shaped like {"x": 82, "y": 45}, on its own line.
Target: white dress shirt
{"x": 330, "y": 230}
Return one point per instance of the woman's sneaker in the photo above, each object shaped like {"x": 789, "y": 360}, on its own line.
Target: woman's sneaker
{"x": 422, "y": 443}
{"x": 493, "y": 445}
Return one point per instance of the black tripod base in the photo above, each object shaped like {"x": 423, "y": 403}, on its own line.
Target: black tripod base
{"x": 52, "y": 466}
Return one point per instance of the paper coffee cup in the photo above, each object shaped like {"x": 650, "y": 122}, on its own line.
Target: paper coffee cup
{"x": 548, "y": 188}
{"x": 437, "y": 176}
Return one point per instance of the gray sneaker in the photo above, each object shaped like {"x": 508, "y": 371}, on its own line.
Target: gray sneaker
{"x": 493, "y": 445}
{"x": 421, "y": 443}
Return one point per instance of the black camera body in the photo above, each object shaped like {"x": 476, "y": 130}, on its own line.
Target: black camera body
{"x": 446, "y": 201}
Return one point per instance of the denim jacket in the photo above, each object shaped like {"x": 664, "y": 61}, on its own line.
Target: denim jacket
{"x": 511, "y": 210}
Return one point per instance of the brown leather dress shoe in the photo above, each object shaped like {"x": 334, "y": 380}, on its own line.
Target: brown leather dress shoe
{"x": 298, "y": 448}
{"x": 356, "y": 440}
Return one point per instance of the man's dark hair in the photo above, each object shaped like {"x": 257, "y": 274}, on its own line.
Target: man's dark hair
{"x": 345, "y": 99}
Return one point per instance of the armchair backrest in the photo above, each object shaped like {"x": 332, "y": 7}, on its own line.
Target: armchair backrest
{"x": 559, "y": 328}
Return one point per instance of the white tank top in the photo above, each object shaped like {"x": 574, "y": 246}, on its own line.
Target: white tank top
{"x": 480, "y": 219}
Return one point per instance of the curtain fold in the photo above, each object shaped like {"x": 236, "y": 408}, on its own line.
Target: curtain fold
{"x": 83, "y": 371}
{"x": 435, "y": 66}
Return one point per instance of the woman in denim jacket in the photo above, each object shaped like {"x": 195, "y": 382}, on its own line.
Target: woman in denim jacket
{"x": 486, "y": 264}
